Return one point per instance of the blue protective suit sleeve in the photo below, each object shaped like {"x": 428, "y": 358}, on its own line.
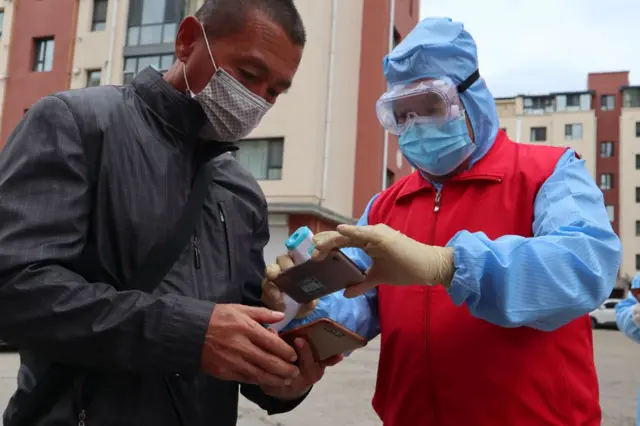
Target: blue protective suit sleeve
{"x": 623, "y": 314}
{"x": 359, "y": 314}
{"x": 564, "y": 271}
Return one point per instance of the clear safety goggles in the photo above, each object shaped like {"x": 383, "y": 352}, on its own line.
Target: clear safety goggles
{"x": 430, "y": 101}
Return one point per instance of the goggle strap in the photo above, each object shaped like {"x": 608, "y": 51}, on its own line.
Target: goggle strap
{"x": 469, "y": 81}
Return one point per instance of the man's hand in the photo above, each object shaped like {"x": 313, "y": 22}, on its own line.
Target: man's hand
{"x": 238, "y": 348}
{"x": 635, "y": 314}
{"x": 311, "y": 371}
{"x": 271, "y": 294}
{"x": 397, "y": 259}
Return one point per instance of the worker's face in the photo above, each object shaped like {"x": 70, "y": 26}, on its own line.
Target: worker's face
{"x": 260, "y": 56}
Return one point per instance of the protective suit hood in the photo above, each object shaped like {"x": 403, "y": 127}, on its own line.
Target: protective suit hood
{"x": 439, "y": 47}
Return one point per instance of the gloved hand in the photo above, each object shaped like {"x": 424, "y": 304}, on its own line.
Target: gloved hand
{"x": 397, "y": 259}
{"x": 271, "y": 294}
{"x": 635, "y": 314}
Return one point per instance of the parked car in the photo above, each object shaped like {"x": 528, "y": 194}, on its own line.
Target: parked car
{"x": 605, "y": 315}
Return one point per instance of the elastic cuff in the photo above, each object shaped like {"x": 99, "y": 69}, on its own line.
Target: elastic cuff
{"x": 182, "y": 334}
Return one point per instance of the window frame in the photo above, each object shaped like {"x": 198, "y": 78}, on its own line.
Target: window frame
{"x": 273, "y": 166}
{"x": 609, "y": 178}
{"x": 533, "y": 130}
{"x": 168, "y": 24}
{"x": 571, "y": 136}
{"x": 99, "y": 23}
{"x": 128, "y": 76}
{"x": 43, "y": 41}
{"x": 607, "y": 144}
{"x": 604, "y": 105}
{"x": 93, "y": 71}
{"x": 2, "y": 15}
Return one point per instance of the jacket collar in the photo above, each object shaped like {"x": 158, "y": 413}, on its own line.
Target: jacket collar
{"x": 174, "y": 108}
{"x": 490, "y": 168}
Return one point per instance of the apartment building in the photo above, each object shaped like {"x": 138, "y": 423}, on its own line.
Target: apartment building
{"x": 319, "y": 155}
{"x": 602, "y": 124}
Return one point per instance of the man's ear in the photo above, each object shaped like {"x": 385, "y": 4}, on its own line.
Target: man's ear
{"x": 189, "y": 32}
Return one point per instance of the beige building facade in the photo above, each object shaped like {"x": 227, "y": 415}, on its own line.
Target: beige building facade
{"x": 319, "y": 154}
{"x": 630, "y": 179}
{"x": 602, "y": 124}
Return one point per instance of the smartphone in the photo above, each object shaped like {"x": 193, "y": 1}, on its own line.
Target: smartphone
{"x": 313, "y": 279}
{"x": 636, "y": 293}
{"x": 326, "y": 338}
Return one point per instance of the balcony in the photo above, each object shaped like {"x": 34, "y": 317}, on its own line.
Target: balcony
{"x": 631, "y": 97}
{"x": 557, "y": 102}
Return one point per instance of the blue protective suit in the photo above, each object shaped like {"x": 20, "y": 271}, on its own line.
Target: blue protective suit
{"x": 574, "y": 256}
{"x": 627, "y": 326}
{"x": 623, "y": 314}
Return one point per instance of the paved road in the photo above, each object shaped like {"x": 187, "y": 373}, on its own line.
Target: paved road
{"x": 343, "y": 397}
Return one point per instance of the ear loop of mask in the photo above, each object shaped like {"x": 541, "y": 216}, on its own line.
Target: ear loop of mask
{"x": 213, "y": 61}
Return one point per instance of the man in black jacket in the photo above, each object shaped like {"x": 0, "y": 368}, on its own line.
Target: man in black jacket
{"x": 91, "y": 180}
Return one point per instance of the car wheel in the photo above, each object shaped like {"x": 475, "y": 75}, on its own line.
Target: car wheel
{"x": 594, "y": 323}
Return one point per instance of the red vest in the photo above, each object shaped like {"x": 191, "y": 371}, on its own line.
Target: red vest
{"x": 441, "y": 366}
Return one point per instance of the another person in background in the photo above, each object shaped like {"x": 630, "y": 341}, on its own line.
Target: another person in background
{"x": 491, "y": 255}
{"x": 628, "y": 319}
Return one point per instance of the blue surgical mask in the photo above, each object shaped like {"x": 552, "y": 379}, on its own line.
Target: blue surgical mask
{"x": 437, "y": 150}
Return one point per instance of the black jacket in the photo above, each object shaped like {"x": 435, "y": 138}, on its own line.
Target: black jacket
{"x": 58, "y": 305}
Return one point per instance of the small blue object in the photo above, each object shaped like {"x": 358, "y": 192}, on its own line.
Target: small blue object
{"x": 297, "y": 238}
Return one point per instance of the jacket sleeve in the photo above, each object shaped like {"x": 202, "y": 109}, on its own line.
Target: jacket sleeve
{"x": 564, "y": 271}
{"x": 359, "y": 314}
{"x": 252, "y": 293}
{"x": 623, "y": 314}
{"x": 48, "y": 308}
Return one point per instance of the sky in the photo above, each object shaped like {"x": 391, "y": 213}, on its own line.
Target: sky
{"x": 542, "y": 46}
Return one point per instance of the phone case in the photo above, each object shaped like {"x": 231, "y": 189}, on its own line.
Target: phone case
{"x": 326, "y": 337}
{"x": 313, "y": 279}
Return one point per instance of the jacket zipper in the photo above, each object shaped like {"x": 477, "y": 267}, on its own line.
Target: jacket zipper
{"x": 223, "y": 221}
{"x": 430, "y": 384}
{"x": 196, "y": 251}
{"x": 82, "y": 418}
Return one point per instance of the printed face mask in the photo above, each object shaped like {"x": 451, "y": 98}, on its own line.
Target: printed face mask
{"x": 232, "y": 109}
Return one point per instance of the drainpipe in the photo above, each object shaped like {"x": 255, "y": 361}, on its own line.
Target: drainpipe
{"x": 112, "y": 41}
{"x": 329, "y": 110}
{"x": 385, "y": 152}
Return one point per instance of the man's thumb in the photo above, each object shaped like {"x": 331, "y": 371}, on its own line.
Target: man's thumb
{"x": 262, "y": 315}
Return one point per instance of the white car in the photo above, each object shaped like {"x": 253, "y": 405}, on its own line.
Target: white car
{"x": 605, "y": 315}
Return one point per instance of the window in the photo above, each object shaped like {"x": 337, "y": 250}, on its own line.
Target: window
{"x": 611, "y": 213}
{"x": 573, "y": 100}
{"x": 637, "y": 161}
{"x": 99, "y": 19}
{"x": 133, "y": 65}
{"x": 606, "y": 149}
{"x": 153, "y": 21}
{"x": 538, "y": 134}
{"x": 391, "y": 178}
{"x": 610, "y": 305}
{"x": 637, "y": 227}
{"x": 637, "y": 262}
{"x": 608, "y": 102}
{"x": 1, "y": 21}
{"x": 637, "y": 194}
{"x": 93, "y": 78}
{"x": 262, "y": 157}
{"x": 606, "y": 181}
{"x": 572, "y": 132}
{"x": 43, "y": 54}
{"x": 637, "y": 129}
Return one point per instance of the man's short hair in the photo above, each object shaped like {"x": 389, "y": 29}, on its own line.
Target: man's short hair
{"x": 225, "y": 17}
